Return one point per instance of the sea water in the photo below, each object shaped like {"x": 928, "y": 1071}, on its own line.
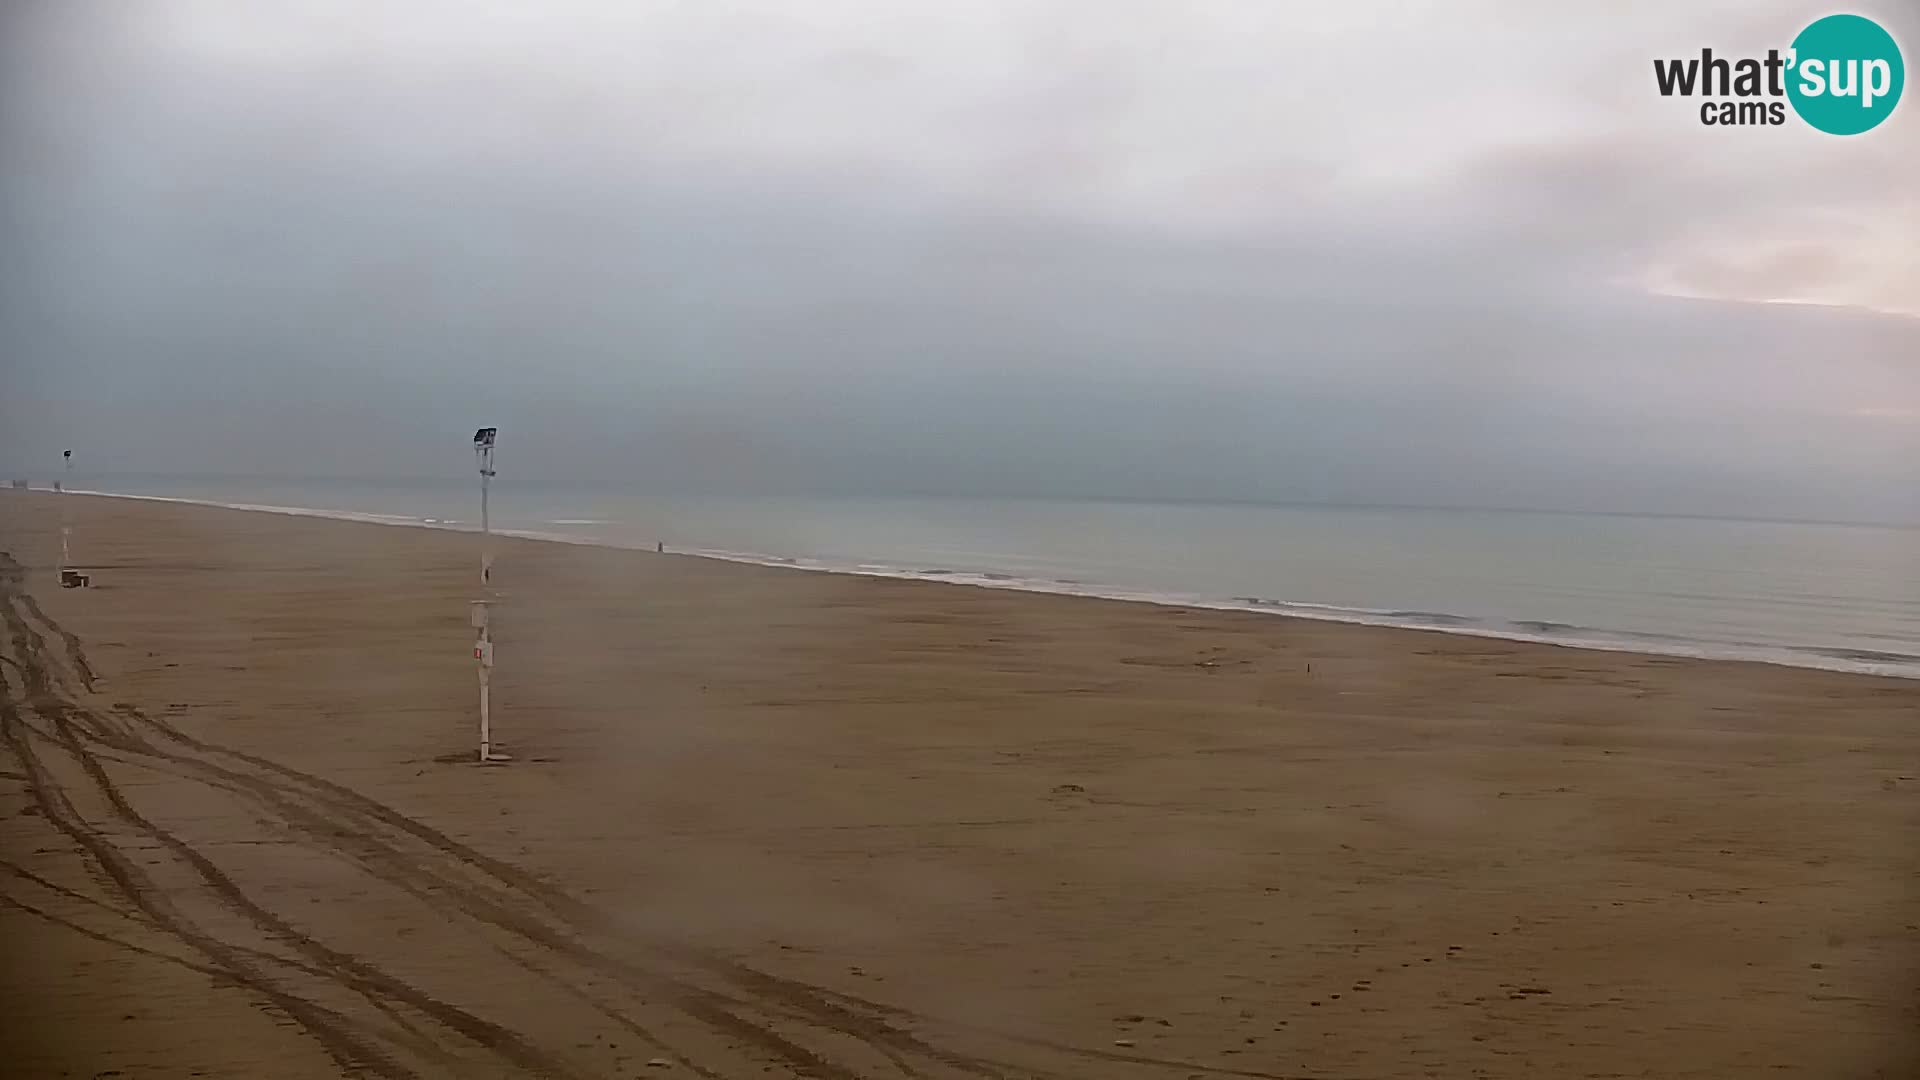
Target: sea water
{"x": 1843, "y": 596}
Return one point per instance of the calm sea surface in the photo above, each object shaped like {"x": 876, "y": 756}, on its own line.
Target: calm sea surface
{"x": 1838, "y": 596}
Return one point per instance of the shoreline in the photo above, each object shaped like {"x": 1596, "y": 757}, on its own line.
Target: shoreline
{"x": 1806, "y": 657}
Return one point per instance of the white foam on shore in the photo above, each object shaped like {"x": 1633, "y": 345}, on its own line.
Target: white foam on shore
{"x": 1760, "y": 654}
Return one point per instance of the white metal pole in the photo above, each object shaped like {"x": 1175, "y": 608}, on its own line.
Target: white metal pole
{"x": 486, "y": 581}
{"x": 483, "y": 647}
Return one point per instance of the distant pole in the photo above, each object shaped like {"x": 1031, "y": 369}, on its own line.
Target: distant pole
{"x": 66, "y": 519}
{"x": 483, "y": 647}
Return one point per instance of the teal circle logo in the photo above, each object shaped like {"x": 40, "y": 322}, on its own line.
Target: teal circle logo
{"x": 1846, "y": 74}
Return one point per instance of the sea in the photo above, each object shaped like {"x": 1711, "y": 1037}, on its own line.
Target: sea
{"x": 1823, "y": 595}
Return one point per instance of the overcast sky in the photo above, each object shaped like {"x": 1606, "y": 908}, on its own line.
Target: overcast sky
{"x": 1456, "y": 253}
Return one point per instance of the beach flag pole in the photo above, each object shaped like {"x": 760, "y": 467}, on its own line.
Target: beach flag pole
{"x": 483, "y": 645}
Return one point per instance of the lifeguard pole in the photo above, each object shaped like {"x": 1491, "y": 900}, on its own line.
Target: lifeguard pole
{"x": 483, "y": 645}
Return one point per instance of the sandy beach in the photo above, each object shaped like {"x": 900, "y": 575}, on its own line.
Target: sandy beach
{"x": 762, "y": 822}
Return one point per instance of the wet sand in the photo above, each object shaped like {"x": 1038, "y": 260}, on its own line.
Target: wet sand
{"x": 771, "y": 823}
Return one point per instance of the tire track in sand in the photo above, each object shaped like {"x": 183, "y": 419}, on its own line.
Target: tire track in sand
{"x": 776, "y": 1020}
{"x": 260, "y": 970}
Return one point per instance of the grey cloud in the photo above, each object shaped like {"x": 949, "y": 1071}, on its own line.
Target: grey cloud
{"x": 859, "y": 251}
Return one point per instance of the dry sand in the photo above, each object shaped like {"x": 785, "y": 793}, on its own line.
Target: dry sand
{"x": 767, "y": 822}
